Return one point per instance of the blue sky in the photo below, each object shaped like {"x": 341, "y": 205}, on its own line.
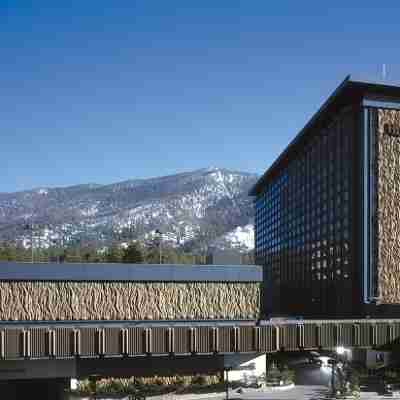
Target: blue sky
{"x": 101, "y": 91}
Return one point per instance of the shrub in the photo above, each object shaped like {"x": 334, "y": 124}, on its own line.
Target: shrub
{"x": 274, "y": 376}
{"x": 150, "y": 386}
{"x": 158, "y": 381}
{"x": 287, "y": 375}
{"x": 199, "y": 380}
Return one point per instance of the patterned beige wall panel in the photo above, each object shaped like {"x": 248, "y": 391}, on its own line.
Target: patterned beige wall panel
{"x": 388, "y": 206}
{"x": 39, "y": 301}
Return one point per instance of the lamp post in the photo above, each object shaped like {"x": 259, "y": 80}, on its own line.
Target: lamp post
{"x": 160, "y": 244}
{"x": 227, "y": 369}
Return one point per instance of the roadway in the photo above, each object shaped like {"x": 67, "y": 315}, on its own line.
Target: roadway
{"x": 300, "y": 392}
{"x": 312, "y": 383}
{"x": 306, "y": 393}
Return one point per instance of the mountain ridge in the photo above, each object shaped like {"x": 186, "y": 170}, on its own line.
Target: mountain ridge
{"x": 196, "y": 206}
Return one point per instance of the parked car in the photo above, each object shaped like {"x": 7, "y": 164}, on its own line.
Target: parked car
{"x": 320, "y": 360}
{"x": 314, "y": 358}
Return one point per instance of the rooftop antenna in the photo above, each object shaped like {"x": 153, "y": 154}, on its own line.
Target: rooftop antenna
{"x": 384, "y": 72}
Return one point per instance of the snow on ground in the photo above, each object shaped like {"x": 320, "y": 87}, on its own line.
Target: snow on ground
{"x": 242, "y": 236}
{"x": 90, "y": 211}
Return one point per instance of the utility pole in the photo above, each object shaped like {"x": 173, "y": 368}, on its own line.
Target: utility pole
{"x": 32, "y": 251}
{"x": 30, "y": 227}
{"x": 41, "y": 228}
{"x": 333, "y": 364}
{"x": 61, "y": 255}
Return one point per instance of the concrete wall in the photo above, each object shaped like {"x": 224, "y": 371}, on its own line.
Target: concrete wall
{"x": 223, "y": 257}
{"x": 371, "y": 358}
{"x": 47, "y": 301}
{"x": 388, "y": 206}
{"x": 126, "y": 367}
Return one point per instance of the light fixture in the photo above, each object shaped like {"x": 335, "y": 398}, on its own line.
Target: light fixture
{"x": 340, "y": 350}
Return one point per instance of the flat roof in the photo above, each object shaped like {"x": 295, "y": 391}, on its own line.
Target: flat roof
{"x": 348, "y": 92}
{"x": 10, "y": 271}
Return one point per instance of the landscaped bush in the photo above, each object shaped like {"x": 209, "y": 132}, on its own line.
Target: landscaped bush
{"x": 275, "y": 376}
{"x": 347, "y": 382}
{"x": 199, "y": 380}
{"x": 287, "y": 375}
{"x": 151, "y": 386}
{"x": 354, "y": 381}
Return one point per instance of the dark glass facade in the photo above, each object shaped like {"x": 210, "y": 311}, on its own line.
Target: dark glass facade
{"x": 303, "y": 224}
{"x": 325, "y": 225}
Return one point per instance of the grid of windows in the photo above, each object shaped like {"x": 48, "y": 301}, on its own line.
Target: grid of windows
{"x": 303, "y": 224}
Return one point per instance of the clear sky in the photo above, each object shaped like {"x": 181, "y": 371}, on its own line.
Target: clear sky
{"x": 102, "y": 91}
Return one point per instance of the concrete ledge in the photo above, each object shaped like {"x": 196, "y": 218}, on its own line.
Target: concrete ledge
{"x": 129, "y": 272}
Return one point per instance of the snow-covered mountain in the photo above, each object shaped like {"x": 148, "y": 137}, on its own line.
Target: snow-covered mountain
{"x": 191, "y": 209}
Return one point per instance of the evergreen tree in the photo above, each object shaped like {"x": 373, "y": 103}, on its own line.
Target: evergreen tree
{"x": 152, "y": 251}
{"x": 113, "y": 255}
{"x": 132, "y": 254}
{"x": 7, "y": 253}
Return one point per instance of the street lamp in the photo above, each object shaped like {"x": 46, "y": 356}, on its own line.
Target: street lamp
{"x": 227, "y": 369}
{"x": 340, "y": 350}
{"x": 160, "y": 244}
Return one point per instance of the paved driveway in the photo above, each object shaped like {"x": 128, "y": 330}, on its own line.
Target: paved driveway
{"x": 298, "y": 393}
{"x": 308, "y": 393}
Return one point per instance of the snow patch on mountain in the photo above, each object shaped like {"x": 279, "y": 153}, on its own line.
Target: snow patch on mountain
{"x": 90, "y": 211}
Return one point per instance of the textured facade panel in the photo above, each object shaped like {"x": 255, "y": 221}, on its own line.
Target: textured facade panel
{"x": 48, "y": 301}
{"x": 388, "y": 206}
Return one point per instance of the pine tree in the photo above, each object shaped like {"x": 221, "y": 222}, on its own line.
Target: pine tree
{"x": 113, "y": 255}
{"x": 132, "y": 254}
